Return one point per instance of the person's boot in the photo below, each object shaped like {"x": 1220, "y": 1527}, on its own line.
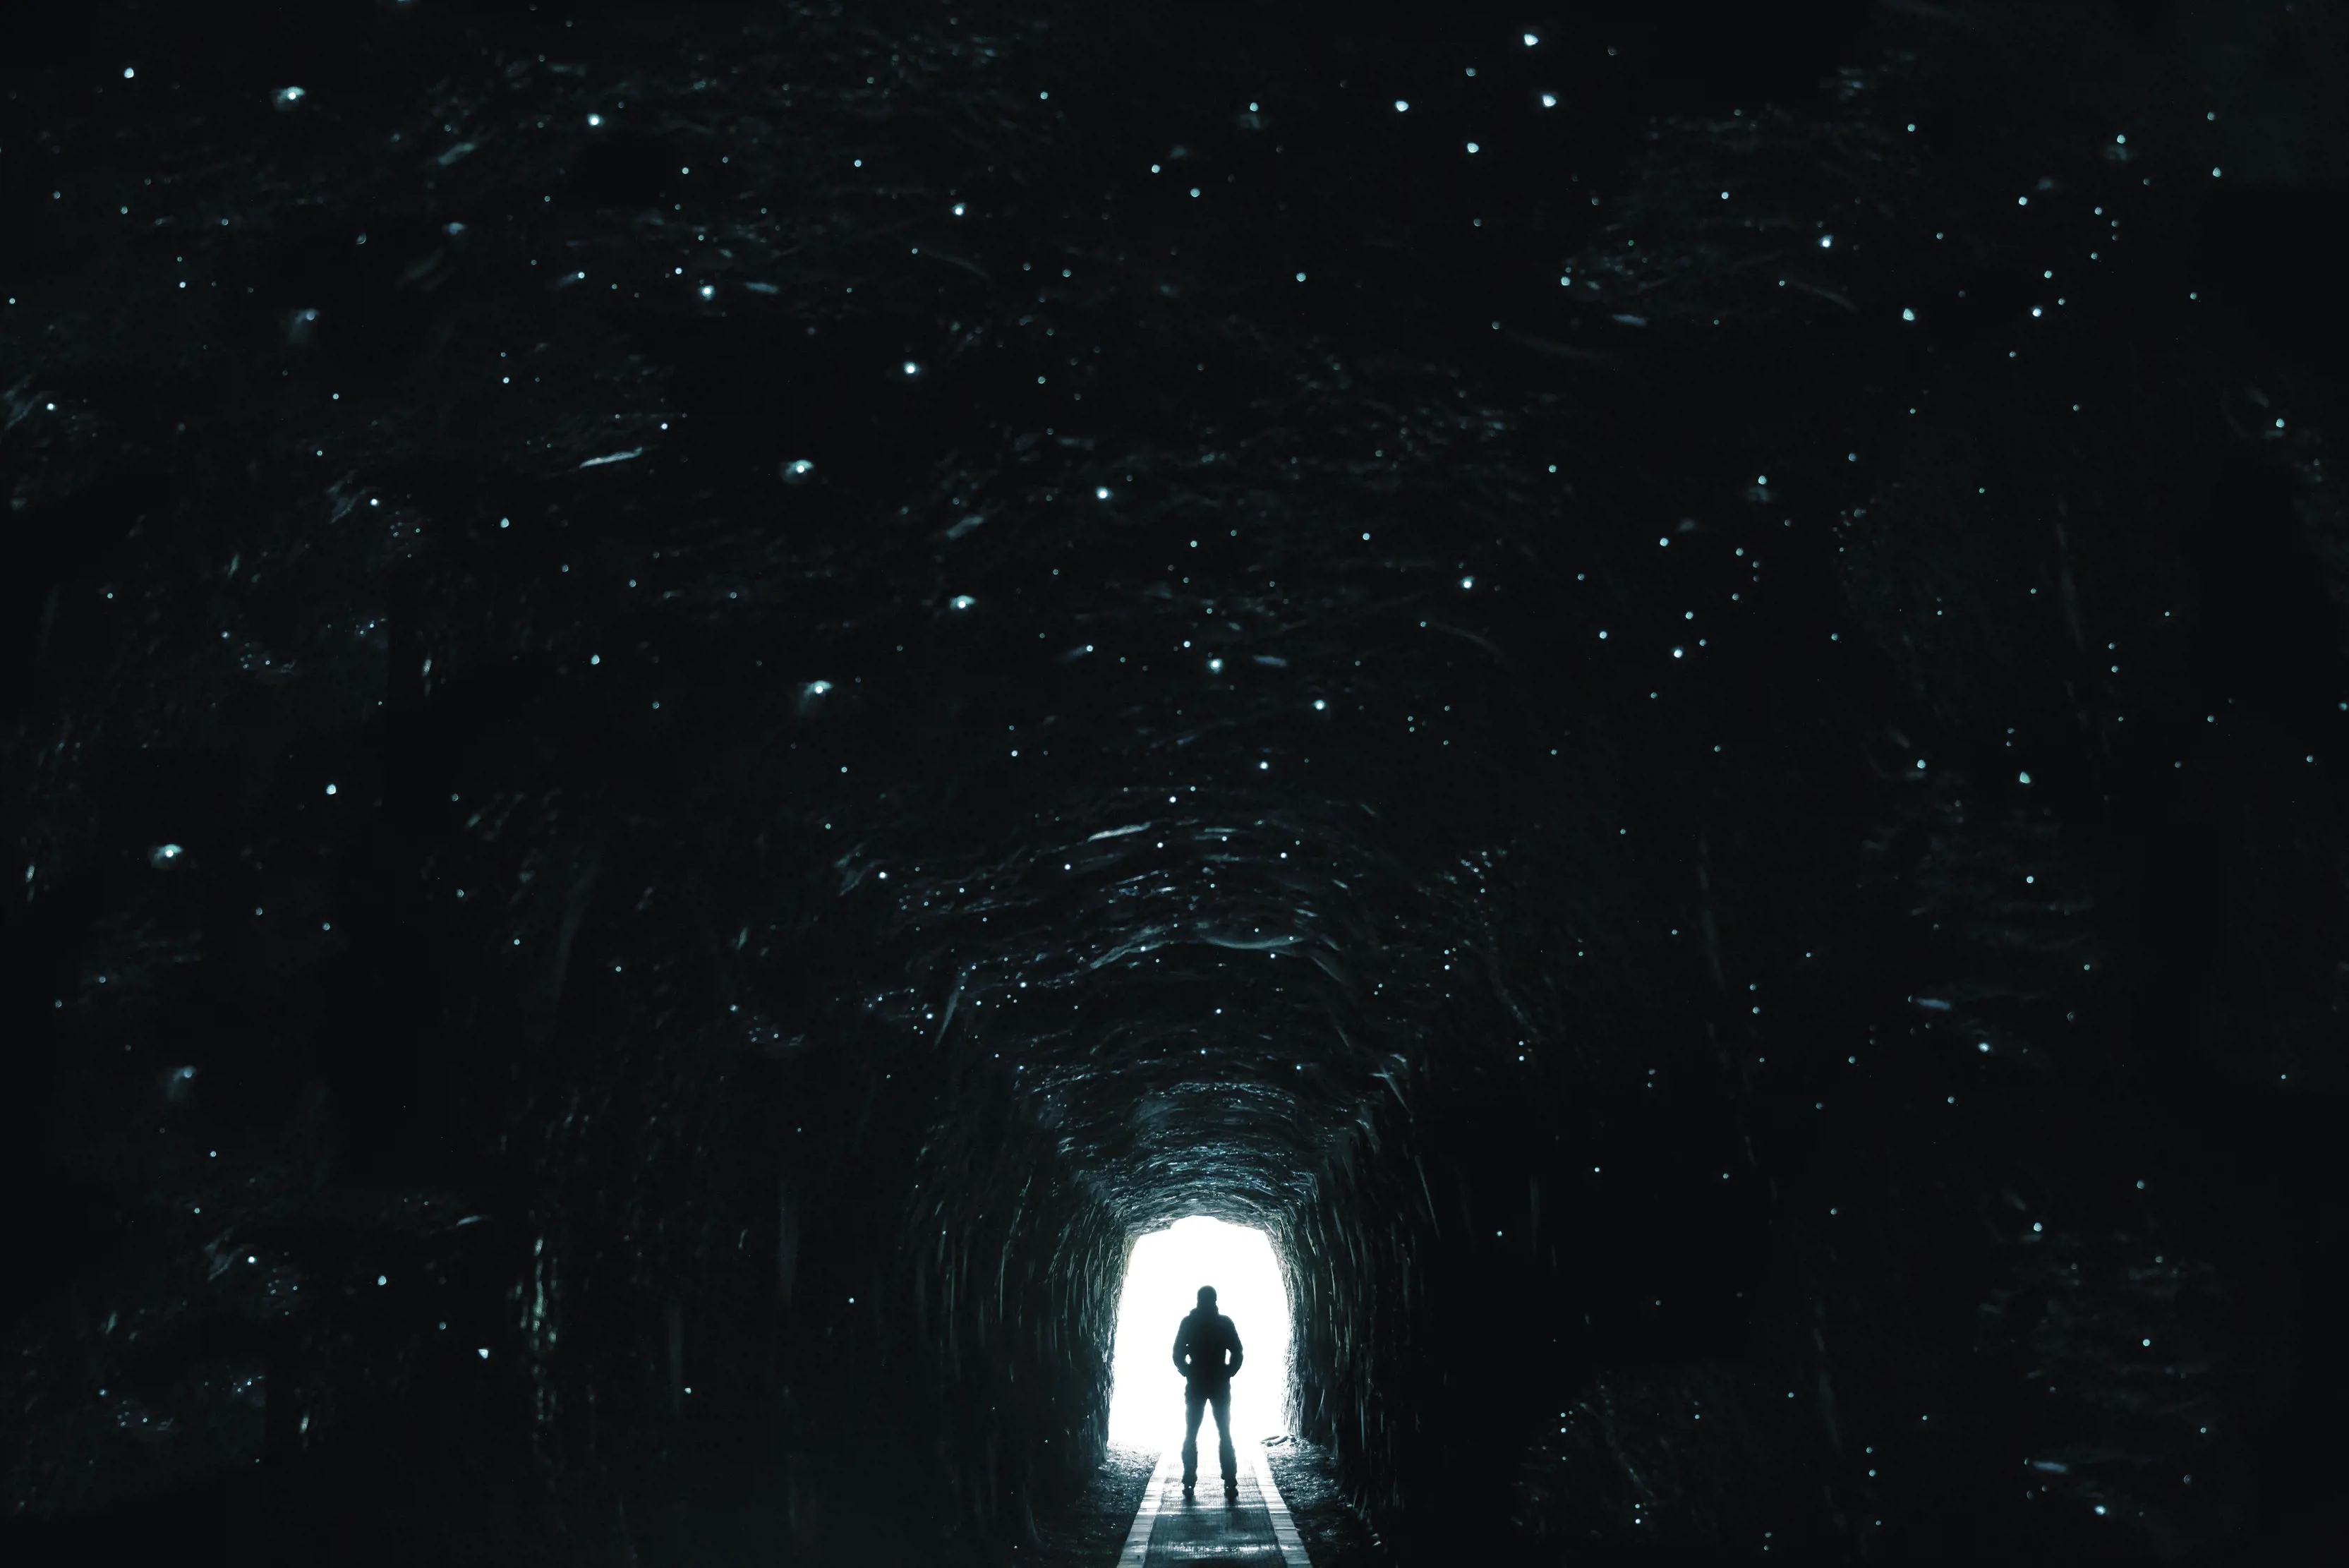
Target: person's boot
{"x": 1187, "y": 1485}
{"x": 1231, "y": 1488}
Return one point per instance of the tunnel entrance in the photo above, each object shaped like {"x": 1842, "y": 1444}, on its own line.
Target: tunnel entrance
{"x": 1162, "y": 1283}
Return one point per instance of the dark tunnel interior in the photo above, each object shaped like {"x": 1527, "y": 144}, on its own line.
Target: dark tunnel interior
{"x": 701, "y": 698}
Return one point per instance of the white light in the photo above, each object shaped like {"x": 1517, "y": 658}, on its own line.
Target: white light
{"x": 592, "y": 119}
{"x": 1530, "y": 39}
{"x": 1826, "y": 241}
{"x": 963, "y": 601}
{"x": 1401, "y": 107}
{"x": 1549, "y": 100}
{"x": 1907, "y": 315}
{"x": 1101, "y": 493}
{"x": 1162, "y": 1283}
{"x": 129, "y": 71}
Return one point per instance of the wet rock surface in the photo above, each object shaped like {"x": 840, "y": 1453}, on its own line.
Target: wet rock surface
{"x": 1334, "y": 1531}
{"x": 699, "y": 698}
{"x": 1091, "y": 1529}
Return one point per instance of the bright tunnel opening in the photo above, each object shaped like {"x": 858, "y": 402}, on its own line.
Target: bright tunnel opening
{"x": 1162, "y": 1285}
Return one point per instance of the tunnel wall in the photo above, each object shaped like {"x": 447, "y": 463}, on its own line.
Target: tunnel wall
{"x": 838, "y": 1298}
{"x": 1013, "y": 1272}
{"x": 1550, "y": 1312}
{"x": 895, "y": 1311}
{"x": 483, "y": 1207}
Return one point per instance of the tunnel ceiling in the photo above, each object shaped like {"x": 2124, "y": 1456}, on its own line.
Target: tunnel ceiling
{"x": 1219, "y": 890}
{"x": 1234, "y": 608}
{"x": 1189, "y": 816}
{"x": 1190, "y": 710}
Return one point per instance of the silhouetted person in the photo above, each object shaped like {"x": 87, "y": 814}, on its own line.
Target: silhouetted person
{"x": 1201, "y": 1345}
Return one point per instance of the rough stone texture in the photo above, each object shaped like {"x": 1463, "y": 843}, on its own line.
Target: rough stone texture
{"x": 1091, "y": 1529}
{"x": 665, "y": 787}
{"x": 1334, "y": 1531}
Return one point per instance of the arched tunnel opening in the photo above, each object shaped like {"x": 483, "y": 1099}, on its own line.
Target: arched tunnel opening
{"x": 1164, "y": 1274}
{"x": 718, "y": 716}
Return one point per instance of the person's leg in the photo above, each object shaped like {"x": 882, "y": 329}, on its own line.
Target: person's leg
{"x": 1191, "y": 1402}
{"x": 1224, "y": 1455}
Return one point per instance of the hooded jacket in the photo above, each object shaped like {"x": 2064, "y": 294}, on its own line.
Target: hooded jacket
{"x": 1201, "y": 1346}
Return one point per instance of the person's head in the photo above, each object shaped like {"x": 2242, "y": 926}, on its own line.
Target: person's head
{"x": 1206, "y": 1298}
